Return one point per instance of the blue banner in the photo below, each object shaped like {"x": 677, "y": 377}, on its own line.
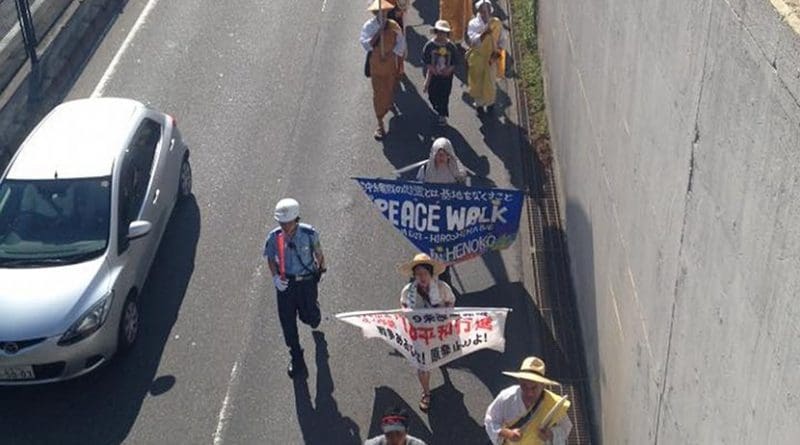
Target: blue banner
{"x": 451, "y": 223}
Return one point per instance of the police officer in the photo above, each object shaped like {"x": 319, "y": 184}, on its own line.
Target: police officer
{"x": 295, "y": 259}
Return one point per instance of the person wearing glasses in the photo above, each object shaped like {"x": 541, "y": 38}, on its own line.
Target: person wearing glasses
{"x": 294, "y": 256}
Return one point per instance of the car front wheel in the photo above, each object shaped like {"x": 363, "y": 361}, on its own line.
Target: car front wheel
{"x": 185, "y": 179}
{"x": 129, "y": 324}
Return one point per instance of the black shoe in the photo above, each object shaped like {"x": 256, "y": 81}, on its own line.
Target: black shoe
{"x": 297, "y": 368}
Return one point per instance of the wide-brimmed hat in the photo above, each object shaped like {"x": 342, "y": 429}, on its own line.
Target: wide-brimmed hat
{"x": 442, "y": 25}
{"x": 532, "y": 369}
{"x": 421, "y": 258}
{"x": 380, "y": 5}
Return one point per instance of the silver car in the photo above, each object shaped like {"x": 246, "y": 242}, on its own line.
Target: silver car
{"x": 83, "y": 206}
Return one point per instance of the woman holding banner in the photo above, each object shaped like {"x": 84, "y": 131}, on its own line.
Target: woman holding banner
{"x": 424, "y": 292}
{"x": 443, "y": 167}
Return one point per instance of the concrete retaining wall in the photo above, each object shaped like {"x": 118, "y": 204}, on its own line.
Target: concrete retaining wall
{"x": 676, "y": 127}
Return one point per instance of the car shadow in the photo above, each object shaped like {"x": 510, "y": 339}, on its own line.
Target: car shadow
{"x": 101, "y": 408}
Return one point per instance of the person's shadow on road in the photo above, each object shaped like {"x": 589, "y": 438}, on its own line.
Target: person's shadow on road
{"x": 449, "y": 418}
{"x": 321, "y": 422}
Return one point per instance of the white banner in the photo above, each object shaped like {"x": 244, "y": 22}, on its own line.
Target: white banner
{"x": 429, "y": 338}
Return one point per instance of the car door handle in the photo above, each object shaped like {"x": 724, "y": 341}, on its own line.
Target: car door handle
{"x": 155, "y": 198}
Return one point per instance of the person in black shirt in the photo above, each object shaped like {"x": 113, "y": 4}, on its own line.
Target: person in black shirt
{"x": 439, "y": 55}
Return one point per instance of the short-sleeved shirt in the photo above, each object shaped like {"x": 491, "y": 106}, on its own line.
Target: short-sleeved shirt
{"x": 381, "y": 440}
{"x": 409, "y": 299}
{"x": 300, "y": 249}
{"x": 438, "y": 55}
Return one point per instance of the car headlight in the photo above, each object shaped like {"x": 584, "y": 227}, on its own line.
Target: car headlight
{"x": 88, "y": 323}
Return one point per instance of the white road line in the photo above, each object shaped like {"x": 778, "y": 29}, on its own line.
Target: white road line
{"x": 112, "y": 67}
{"x": 324, "y": 2}
{"x": 224, "y": 412}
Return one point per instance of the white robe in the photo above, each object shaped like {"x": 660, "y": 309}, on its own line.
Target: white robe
{"x": 371, "y": 27}
{"x": 508, "y": 407}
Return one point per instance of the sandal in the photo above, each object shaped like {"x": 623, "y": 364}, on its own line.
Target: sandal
{"x": 425, "y": 402}
{"x": 379, "y": 134}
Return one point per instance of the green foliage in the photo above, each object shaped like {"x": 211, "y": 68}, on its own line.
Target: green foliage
{"x": 530, "y": 67}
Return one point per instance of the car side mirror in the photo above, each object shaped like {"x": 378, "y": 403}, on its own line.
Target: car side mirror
{"x": 138, "y": 229}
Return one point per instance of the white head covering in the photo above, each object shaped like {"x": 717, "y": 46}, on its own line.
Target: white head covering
{"x": 480, "y": 3}
{"x": 453, "y": 172}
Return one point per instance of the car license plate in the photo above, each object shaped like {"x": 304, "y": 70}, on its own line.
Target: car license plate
{"x": 16, "y": 373}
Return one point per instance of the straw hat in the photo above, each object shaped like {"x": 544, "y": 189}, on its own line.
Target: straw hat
{"x": 532, "y": 369}
{"x": 442, "y": 25}
{"x": 380, "y": 5}
{"x": 421, "y": 258}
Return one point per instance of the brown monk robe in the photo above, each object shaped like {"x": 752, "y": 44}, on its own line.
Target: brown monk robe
{"x": 458, "y": 13}
{"x": 385, "y": 67}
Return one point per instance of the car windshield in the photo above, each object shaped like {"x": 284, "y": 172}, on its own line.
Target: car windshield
{"x": 53, "y": 221}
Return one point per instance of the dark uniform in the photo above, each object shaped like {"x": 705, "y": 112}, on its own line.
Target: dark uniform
{"x": 302, "y": 273}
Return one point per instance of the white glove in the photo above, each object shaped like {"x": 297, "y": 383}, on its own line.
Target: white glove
{"x": 280, "y": 284}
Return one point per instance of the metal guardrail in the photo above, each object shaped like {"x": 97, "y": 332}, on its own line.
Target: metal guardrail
{"x": 23, "y": 25}
{"x": 28, "y": 32}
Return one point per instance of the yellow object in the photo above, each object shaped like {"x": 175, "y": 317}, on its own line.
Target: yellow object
{"x": 458, "y": 14}
{"x": 481, "y": 74}
{"x": 530, "y": 435}
{"x": 501, "y": 64}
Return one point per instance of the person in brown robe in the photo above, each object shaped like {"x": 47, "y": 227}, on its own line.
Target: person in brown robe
{"x": 457, "y": 13}
{"x": 383, "y": 38}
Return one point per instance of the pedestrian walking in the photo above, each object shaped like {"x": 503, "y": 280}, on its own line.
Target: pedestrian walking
{"x": 295, "y": 259}
{"x": 486, "y": 39}
{"x": 443, "y": 166}
{"x": 440, "y": 57}
{"x": 457, "y": 13}
{"x": 385, "y": 44}
{"x": 424, "y": 292}
{"x": 394, "y": 425}
{"x": 527, "y": 413}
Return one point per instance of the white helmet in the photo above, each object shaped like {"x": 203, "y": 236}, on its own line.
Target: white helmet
{"x": 287, "y": 210}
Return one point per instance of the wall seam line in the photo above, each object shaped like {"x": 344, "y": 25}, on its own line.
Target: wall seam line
{"x": 681, "y": 272}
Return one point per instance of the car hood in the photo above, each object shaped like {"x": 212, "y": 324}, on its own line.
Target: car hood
{"x": 43, "y": 302}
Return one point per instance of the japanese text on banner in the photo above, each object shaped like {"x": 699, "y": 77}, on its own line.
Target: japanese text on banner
{"x": 450, "y": 222}
{"x": 429, "y": 338}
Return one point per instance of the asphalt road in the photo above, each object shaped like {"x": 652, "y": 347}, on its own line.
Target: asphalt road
{"x": 271, "y": 99}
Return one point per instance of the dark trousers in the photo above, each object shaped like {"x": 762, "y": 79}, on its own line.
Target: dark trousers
{"x": 439, "y": 94}
{"x": 299, "y": 299}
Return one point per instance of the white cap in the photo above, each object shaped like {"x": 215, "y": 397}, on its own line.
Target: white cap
{"x": 287, "y": 210}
